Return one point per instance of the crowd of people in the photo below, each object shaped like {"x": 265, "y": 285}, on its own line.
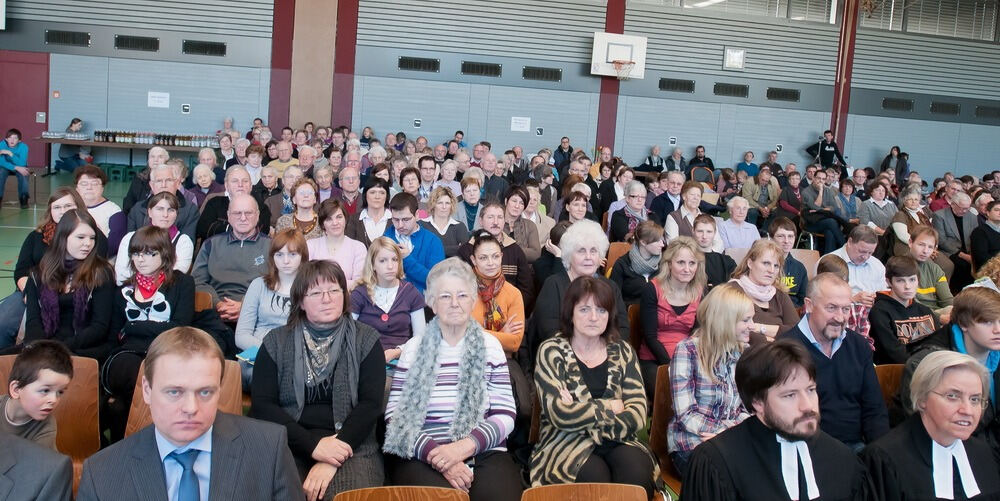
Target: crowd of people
{"x": 397, "y": 308}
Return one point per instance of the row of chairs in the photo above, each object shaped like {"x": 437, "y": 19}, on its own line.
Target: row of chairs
{"x": 566, "y": 492}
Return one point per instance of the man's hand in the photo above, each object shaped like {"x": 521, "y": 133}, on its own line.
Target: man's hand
{"x": 965, "y": 257}
{"x": 865, "y": 298}
{"x": 405, "y": 251}
{"x": 22, "y": 170}
{"x": 332, "y": 450}
{"x": 318, "y": 479}
{"x": 229, "y": 310}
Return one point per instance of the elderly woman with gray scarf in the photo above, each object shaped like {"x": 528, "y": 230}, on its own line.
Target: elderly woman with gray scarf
{"x": 322, "y": 376}
{"x": 451, "y": 405}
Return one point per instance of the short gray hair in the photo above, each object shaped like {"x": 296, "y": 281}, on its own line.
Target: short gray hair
{"x": 582, "y": 188}
{"x": 242, "y": 142}
{"x": 580, "y": 234}
{"x": 173, "y": 169}
{"x": 961, "y": 197}
{"x": 451, "y": 267}
{"x": 198, "y": 169}
{"x": 306, "y": 147}
{"x": 377, "y": 150}
{"x": 931, "y": 371}
{"x": 634, "y": 187}
{"x": 234, "y": 169}
{"x": 735, "y": 200}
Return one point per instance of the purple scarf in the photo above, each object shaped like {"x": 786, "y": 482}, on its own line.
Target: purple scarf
{"x": 49, "y": 301}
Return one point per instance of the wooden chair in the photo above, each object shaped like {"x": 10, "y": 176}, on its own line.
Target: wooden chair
{"x": 615, "y": 251}
{"x": 889, "y": 378}
{"x": 604, "y": 222}
{"x": 737, "y": 254}
{"x": 536, "y": 420}
{"x": 585, "y": 492}
{"x": 808, "y": 258}
{"x": 230, "y": 398}
{"x": 403, "y": 493}
{"x": 202, "y": 301}
{"x": 663, "y": 412}
{"x": 635, "y": 327}
{"x": 78, "y": 435}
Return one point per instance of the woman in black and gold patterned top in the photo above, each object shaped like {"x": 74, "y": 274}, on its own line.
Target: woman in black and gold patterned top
{"x": 592, "y": 398}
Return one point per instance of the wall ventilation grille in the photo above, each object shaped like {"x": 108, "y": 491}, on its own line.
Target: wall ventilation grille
{"x": 779, "y": 94}
{"x": 731, "y": 90}
{"x": 407, "y": 63}
{"x": 203, "y": 48}
{"x": 988, "y": 112}
{"x": 676, "y": 85}
{"x": 61, "y": 37}
{"x": 897, "y": 104}
{"x": 481, "y": 69}
{"x": 130, "y": 42}
{"x": 542, "y": 74}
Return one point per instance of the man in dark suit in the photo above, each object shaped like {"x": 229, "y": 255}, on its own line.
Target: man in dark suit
{"x": 954, "y": 239}
{"x": 30, "y": 471}
{"x": 670, "y": 199}
{"x": 192, "y": 452}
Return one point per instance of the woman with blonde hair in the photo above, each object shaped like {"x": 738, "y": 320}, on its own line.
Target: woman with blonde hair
{"x": 702, "y": 382}
{"x": 390, "y": 305}
{"x": 668, "y": 306}
{"x": 441, "y": 221}
{"x": 759, "y": 275}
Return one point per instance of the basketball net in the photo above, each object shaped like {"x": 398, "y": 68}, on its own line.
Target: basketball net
{"x": 623, "y": 68}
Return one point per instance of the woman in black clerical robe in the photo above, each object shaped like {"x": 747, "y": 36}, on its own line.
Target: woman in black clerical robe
{"x": 932, "y": 454}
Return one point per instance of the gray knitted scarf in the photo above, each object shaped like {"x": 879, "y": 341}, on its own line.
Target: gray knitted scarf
{"x": 411, "y": 411}
{"x": 642, "y": 265}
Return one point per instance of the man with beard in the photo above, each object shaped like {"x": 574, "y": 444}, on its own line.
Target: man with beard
{"x": 849, "y": 393}
{"x": 779, "y": 453}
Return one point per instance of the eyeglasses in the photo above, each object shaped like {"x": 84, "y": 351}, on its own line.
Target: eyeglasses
{"x": 243, "y": 214}
{"x": 637, "y": 197}
{"x": 954, "y": 397}
{"x": 330, "y": 294}
{"x": 447, "y": 297}
{"x": 146, "y": 254}
{"x": 89, "y": 184}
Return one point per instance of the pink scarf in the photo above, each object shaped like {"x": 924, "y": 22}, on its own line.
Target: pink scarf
{"x": 759, "y": 293}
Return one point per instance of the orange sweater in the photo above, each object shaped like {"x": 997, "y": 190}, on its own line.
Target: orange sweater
{"x": 512, "y": 306}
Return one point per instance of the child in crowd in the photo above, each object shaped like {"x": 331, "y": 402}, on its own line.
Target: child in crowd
{"x": 40, "y": 375}
{"x": 896, "y": 318}
{"x": 718, "y": 266}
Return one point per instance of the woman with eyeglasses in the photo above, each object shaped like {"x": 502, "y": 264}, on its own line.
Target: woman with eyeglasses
{"x": 624, "y": 221}
{"x": 154, "y": 298}
{"x": 162, "y": 209}
{"x": 303, "y": 217}
{"x": 322, "y": 376}
{"x": 934, "y": 454}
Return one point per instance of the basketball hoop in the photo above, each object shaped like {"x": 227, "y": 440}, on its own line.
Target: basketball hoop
{"x": 623, "y": 68}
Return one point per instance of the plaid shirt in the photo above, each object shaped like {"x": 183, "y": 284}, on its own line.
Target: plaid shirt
{"x": 701, "y": 405}
{"x": 858, "y": 322}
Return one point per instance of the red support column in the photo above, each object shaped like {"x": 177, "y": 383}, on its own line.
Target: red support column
{"x": 282, "y": 29}
{"x": 607, "y": 110}
{"x": 343, "y": 62}
{"x": 845, "y": 68}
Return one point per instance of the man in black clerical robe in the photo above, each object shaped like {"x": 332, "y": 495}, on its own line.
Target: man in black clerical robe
{"x": 779, "y": 453}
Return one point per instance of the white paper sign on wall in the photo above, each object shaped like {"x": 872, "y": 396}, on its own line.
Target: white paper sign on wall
{"x": 157, "y": 99}
{"x": 520, "y": 124}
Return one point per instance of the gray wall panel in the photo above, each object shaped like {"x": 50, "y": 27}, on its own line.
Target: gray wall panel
{"x": 933, "y": 146}
{"x": 481, "y": 111}
{"x": 908, "y": 62}
{"x": 112, "y": 93}
{"x": 513, "y": 28}
{"x": 223, "y": 17}
{"x": 685, "y": 41}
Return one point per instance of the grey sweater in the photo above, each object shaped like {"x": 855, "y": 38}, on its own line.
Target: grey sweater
{"x": 263, "y": 309}
{"x": 225, "y": 265}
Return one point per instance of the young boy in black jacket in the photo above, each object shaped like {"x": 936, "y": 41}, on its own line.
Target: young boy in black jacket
{"x": 896, "y": 318}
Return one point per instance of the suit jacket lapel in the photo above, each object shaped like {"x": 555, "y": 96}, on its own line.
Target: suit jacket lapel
{"x": 147, "y": 469}
{"x": 227, "y": 454}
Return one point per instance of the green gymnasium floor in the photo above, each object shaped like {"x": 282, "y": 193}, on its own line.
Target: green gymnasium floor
{"x": 16, "y": 223}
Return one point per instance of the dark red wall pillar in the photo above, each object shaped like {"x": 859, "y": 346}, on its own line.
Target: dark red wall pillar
{"x": 845, "y": 69}
{"x": 343, "y": 62}
{"x": 283, "y": 29}
{"x": 607, "y": 110}
{"x": 22, "y": 96}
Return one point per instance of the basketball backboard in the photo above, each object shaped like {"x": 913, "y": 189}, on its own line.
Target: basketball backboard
{"x": 609, "y": 47}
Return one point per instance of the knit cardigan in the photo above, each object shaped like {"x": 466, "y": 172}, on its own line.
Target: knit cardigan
{"x": 569, "y": 432}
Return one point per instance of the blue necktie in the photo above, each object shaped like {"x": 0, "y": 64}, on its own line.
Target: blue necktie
{"x": 188, "y": 489}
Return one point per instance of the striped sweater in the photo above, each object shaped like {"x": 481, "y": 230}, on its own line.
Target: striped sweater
{"x": 498, "y": 409}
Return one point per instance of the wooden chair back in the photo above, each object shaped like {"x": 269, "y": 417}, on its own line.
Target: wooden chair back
{"x": 403, "y": 493}
{"x": 585, "y": 492}
{"x": 889, "y": 378}
{"x": 536, "y": 420}
{"x": 737, "y": 253}
{"x": 78, "y": 428}
{"x": 808, "y": 258}
{"x": 202, "y": 301}
{"x": 230, "y": 398}
{"x": 615, "y": 251}
{"x": 663, "y": 412}
{"x": 635, "y": 327}
{"x": 604, "y": 222}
